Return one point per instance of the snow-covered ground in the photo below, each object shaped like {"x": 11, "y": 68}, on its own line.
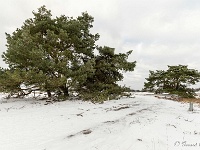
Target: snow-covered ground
{"x": 140, "y": 123}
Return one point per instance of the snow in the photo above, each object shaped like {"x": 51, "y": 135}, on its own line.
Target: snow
{"x": 141, "y": 123}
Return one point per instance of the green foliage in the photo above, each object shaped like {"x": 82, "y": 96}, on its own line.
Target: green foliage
{"x": 57, "y": 55}
{"x": 10, "y": 80}
{"x": 175, "y": 80}
{"x": 105, "y": 92}
{"x": 52, "y": 50}
{"x": 103, "y": 82}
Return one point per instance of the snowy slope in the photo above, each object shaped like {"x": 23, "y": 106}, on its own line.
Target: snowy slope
{"x": 140, "y": 123}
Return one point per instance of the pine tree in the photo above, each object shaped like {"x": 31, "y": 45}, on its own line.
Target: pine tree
{"x": 175, "y": 80}
{"x": 55, "y": 49}
{"x": 102, "y": 85}
{"x": 57, "y": 55}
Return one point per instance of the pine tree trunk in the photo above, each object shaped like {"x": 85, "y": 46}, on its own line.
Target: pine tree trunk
{"x": 177, "y": 86}
{"x": 65, "y": 90}
{"x": 49, "y": 93}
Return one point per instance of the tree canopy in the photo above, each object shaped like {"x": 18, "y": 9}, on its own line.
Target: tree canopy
{"x": 103, "y": 83}
{"x": 175, "y": 80}
{"x": 57, "y": 55}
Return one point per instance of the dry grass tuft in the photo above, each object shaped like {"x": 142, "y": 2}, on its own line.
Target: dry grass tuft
{"x": 187, "y": 100}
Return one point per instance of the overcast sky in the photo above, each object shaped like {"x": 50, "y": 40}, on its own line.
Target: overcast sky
{"x": 160, "y": 32}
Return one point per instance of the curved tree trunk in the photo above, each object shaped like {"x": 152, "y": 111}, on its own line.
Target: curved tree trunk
{"x": 49, "y": 93}
{"x": 65, "y": 90}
